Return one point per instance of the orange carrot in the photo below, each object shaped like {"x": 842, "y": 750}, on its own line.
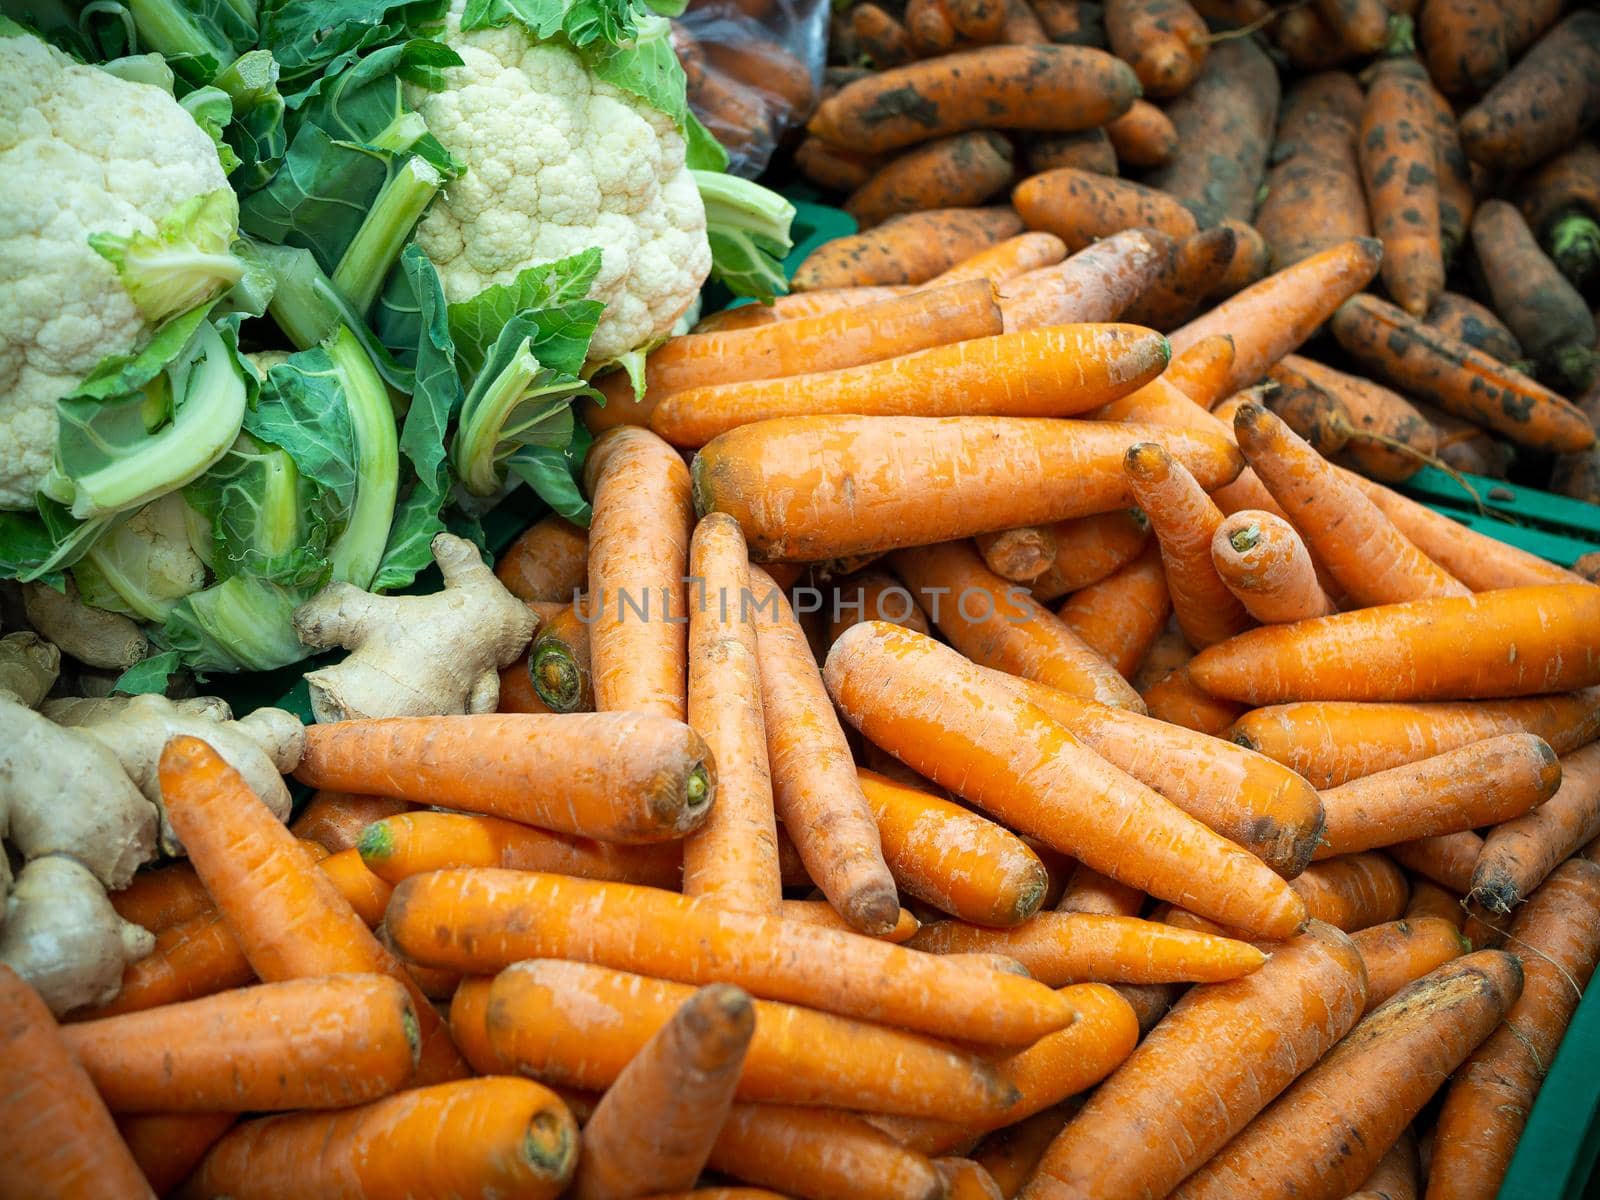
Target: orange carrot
{"x": 1395, "y": 1176}
{"x": 911, "y": 248}
{"x": 1212, "y": 1063}
{"x": 1387, "y": 438}
{"x": 1201, "y": 372}
{"x": 1086, "y": 150}
{"x": 1520, "y": 853}
{"x": 335, "y": 819}
{"x": 1325, "y": 1134}
{"x": 1088, "y": 891}
{"x": 1557, "y": 937}
{"x": 1428, "y": 899}
{"x": 1262, "y": 561}
{"x": 949, "y": 857}
{"x": 1069, "y": 554}
{"x": 1314, "y": 197}
{"x": 1354, "y": 891}
{"x": 1167, "y": 653}
{"x": 517, "y": 693}
{"x": 966, "y": 1180}
{"x": 1006, "y": 260}
{"x": 1095, "y": 284}
{"x": 1544, "y": 103}
{"x": 1120, "y": 616}
{"x": 1252, "y": 259}
{"x": 365, "y": 892}
{"x": 1399, "y": 170}
{"x": 1081, "y": 206}
{"x": 797, "y": 305}
{"x": 1457, "y": 197}
{"x": 1398, "y": 953}
{"x": 1011, "y": 1155}
{"x": 549, "y": 561}
{"x": 819, "y": 1154}
{"x": 1192, "y": 269}
{"x": 1058, "y": 371}
{"x": 480, "y": 921}
{"x": 56, "y": 1137}
{"x": 1071, "y": 22}
{"x": 808, "y": 489}
{"x": 950, "y": 172}
{"x": 828, "y": 167}
{"x": 161, "y": 898}
{"x": 1465, "y": 320}
{"x": 1178, "y": 700}
{"x": 1164, "y": 41}
{"x": 873, "y": 596}
{"x": 1463, "y": 42}
{"x": 1008, "y": 757}
{"x": 558, "y": 659}
{"x": 638, "y": 550}
{"x": 168, "y": 1146}
{"x": 1447, "y": 859}
{"x": 883, "y": 39}
{"x": 1143, "y": 136}
{"x": 822, "y": 914}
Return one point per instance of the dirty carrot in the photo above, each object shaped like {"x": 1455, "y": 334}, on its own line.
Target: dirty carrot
{"x": 1252, "y": 259}
{"x": 1006, "y": 260}
{"x": 1447, "y": 859}
{"x": 548, "y": 561}
{"x": 1178, "y": 700}
{"x": 1143, "y": 136}
{"x": 1260, "y": 559}
{"x": 1457, "y": 197}
{"x": 1463, "y": 43}
{"x": 1483, "y": 783}
{"x": 1192, "y": 269}
{"x": 1096, "y": 284}
{"x": 1213, "y": 1062}
{"x": 814, "y": 786}
{"x": 1354, "y": 891}
{"x": 654, "y": 1127}
{"x": 885, "y": 40}
{"x": 1543, "y": 103}
{"x": 1081, "y": 206}
{"x": 830, "y": 167}
{"x": 335, "y": 820}
{"x": 1054, "y": 88}
{"x": 951, "y": 172}
{"x": 997, "y": 624}
{"x": 1520, "y": 853}
{"x": 1561, "y": 201}
{"x": 928, "y": 26}
{"x": 1464, "y": 319}
{"x": 912, "y": 248}
{"x": 1164, "y": 41}
{"x": 1082, "y": 551}
{"x": 1201, "y": 372}
{"x": 1400, "y": 173}
{"x": 558, "y": 660}
{"x": 821, "y": 913}
{"x": 1009, "y": 758}
{"x": 1314, "y": 197}
{"x": 1387, "y": 438}
{"x": 1428, "y": 899}
{"x": 1087, "y": 150}
{"x": 1398, "y": 953}
{"x": 1120, "y": 617}
{"x": 820, "y": 1154}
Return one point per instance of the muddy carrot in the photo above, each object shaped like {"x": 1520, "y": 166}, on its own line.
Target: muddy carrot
{"x": 1252, "y": 259}
{"x": 1079, "y": 552}
{"x": 1542, "y": 104}
{"x": 928, "y": 25}
{"x": 1088, "y": 150}
{"x": 1192, "y": 272}
{"x": 1262, "y": 561}
{"x": 1463, "y": 43}
{"x": 1178, "y": 700}
{"x": 997, "y": 624}
{"x": 1022, "y": 26}
{"x": 485, "y": 764}
{"x": 883, "y": 40}
{"x": 1054, "y": 88}
{"x": 1429, "y": 899}
{"x": 1120, "y": 617}
{"x": 1095, "y": 284}
{"x": 168, "y": 1146}
{"x": 1457, "y": 197}
{"x": 954, "y": 172}
{"x": 1272, "y": 318}
{"x": 1354, "y": 891}
{"x": 1399, "y": 171}
{"x": 558, "y": 660}
{"x": 1464, "y": 319}
{"x": 1164, "y": 41}
{"x": 1143, "y": 136}
{"x": 1072, "y": 22}
{"x": 1212, "y": 1063}
{"x": 1398, "y": 953}
{"x": 1561, "y": 201}
{"x": 1006, "y": 260}
{"x": 578, "y": 1025}
{"x": 1325, "y": 1134}
{"x": 1314, "y": 197}
{"x": 907, "y": 249}
{"x": 1520, "y": 853}
{"x": 819, "y": 1154}
{"x": 1385, "y": 436}
{"x": 1361, "y": 25}
{"x": 1557, "y": 937}
{"x": 1080, "y": 207}
{"x": 1447, "y": 859}
{"x": 1009, "y": 758}
{"x": 1483, "y": 783}
{"x": 549, "y": 561}
{"x": 830, "y": 167}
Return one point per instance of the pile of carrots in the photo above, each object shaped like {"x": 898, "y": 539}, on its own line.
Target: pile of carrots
{"x": 1244, "y": 137}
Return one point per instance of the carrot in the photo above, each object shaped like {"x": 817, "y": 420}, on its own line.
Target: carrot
{"x": 1225, "y": 124}
{"x": 1262, "y": 561}
{"x": 501, "y": 917}
{"x": 1520, "y": 853}
{"x": 335, "y": 819}
{"x": 1184, "y": 520}
{"x": 410, "y": 843}
{"x": 1587, "y": 567}
{"x": 1483, "y": 783}
{"x": 1395, "y": 1176}
{"x": 797, "y": 305}
{"x": 1164, "y": 41}
{"x": 977, "y": 20}
{"x": 1548, "y": 315}
{"x": 1081, "y": 206}
{"x": 1167, "y": 653}
{"x": 951, "y": 858}
{"x": 1561, "y": 201}
{"x": 1022, "y": 26}
{"x": 1072, "y": 22}
{"x": 1120, "y": 617}
{"x": 821, "y": 913}
{"x": 1542, "y": 104}
{"x": 1054, "y": 88}
{"x": 1201, "y": 372}
{"x": 1243, "y": 796}
{"x": 1465, "y": 320}
{"x": 1324, "y": 1136}
{"x": 517, "y": 693}
{"x": 1088, "y": 891}
{"x": 829, "y": 166}
{"x": 1354, "y": 891}
{"x": 1072, "y": 947}
{"x": 659, "y": 790}
{"x": 1192, "y": 272}
{"x": 814, "y": 784}
{"x": 1361, "y": 25}
{"x": 1308, "y": 41}
{"x": 196, "y": 957}
{"x": 1399, "y": 171}
{"x": 1006, "y": 260}
{"x": 1143, "y": 136}
{"x": 367, "y": 894}
{"x": 764, "y": 64}
{"x": 469, "y": 1137}
{"x": 928, "y": 25}
{"x": 161, "y": 898}
{"x": 308, "y": 1043}
{"x": 1429, "y": 900}
{"x": 1212, "y": 1063}
{"x": 1387, "y": 438}
{"x": 579, "y": 1025}
{"x": 638, "y": 548}
{"x": 966, "y": 1180}
{"x": 907, "y": 249}
{"x": 549, "y": 561}
{"x": 1314, "y": 197}
{"x": 1271, "y": 318}
{"x": 1095, "y": 284}
{"x": 56, "y": 1138}
{"x": 1463, "y": 43}
{"x": 883, "y": 40}
{"x": 1458, "y": 378}
{"x": 1252, "y": 259}
{"x": 1447, "y": 859}
{"x": 1005, "y": 755}
{"x": 1397, "y": 953}
{"x": 1371, "y": 560}
{"x": 997, "y": 624}
{"x": 819, "y": 1154}
{"x": 952, "y": 172}
{"x": 1075, "y": 553}
{"x": 814, "y": 488}
{"x": 1050, "y": 372}
{"x": 873, "y": 595}
{"x": 1457, "y": 197}
{"x": 1176, "y": 699}
{"x": 168, "y": 1146}
{"x": 558, "y": 660}
{"x": 1557, "y": 938}
{"x": 290, "y": 920}
{"x": 1087, "y": 150}
{"x": 1011, "y": 1154}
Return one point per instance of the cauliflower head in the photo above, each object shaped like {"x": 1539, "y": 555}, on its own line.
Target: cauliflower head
{"x": 559, "y": 161}
{"x": 82, "y": 153}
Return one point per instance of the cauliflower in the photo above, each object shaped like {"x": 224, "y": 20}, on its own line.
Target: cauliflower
{"x": 84, "y": 154}
{"x": 559, "y": 161}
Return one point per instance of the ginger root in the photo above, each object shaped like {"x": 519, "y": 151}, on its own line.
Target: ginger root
{"x": 62, "y": 935}
{"x": 93, "y": 636}
{"x": 29, "y": 666}
{"x": 416, "y": 655}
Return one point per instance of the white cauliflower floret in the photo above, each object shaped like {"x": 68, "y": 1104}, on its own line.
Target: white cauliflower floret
{"x": 81, "y": 152}
{"x": 559, "y": 161}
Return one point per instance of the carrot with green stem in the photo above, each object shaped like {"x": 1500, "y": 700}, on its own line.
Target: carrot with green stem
{"x": 1518, "y": 854}
{"x": 1176, "y": 699}
{"x": 950, "y": 172}
{"x": 808, "y": 489}
{"x": 1087, "y": 150}
{"x": 814, "y": 786}
{"x": 1262, "y": 560}
{"x": 1008, "y": 757}
{"x": 559, "y": 662}
{"x": 1120, "y": 617}
{"x": 1143, "y": 136}
{"x": 549, "y": 561}
{"x": 1219, "y": 1057}
{"x": 1399, "y": 170}
{"x": 1398, "y": 953}
{"x": 1387, "y": 438}
{"x": 911, "y": 248}
{"x": 1354, "y": 891}
{"x": 1075, "y": 553}
{"x": 1557, "y": 937}
{"x": 1561, "y": 201}
{"x": 1080, "y": 207}
{"x": 654, "y": 1127}
{"x": 1483, "y": 783}
{"x": 168, "y": 1146}
{"x": 1192, "y": 270}
{"x": 820, "y": 1154}
{"x": 1458, "y": 378}
{"x": 1447, "y": 859}
{"x": 579, "y": 1025}
{"x": 57, "y": 1139}
{"x": 1544, "y": 103}
{"x": 1164, "y": 41}
{"x": 1095, "y": 285}
{"x": 1465, "y": 320}
{"x": 1272, "y": 318}
{"x": 997, "y": 624}
{"x": 1327, "y": 1133}
{"x": 1006, "y": 260}
{"x": 1314, "y": 197}
{"x": 1054, "y": 88}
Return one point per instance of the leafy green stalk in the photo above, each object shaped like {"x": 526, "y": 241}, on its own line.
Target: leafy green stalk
{"x": 747, "y": 226}
{"x": 522, "y": 403}
{"x": 256, "y": 134}
{"x": 357, "y": 551}
{"x": 387, "y": 228}
{"x": 196, "y": 36}
{"x": 185, "y": 263}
